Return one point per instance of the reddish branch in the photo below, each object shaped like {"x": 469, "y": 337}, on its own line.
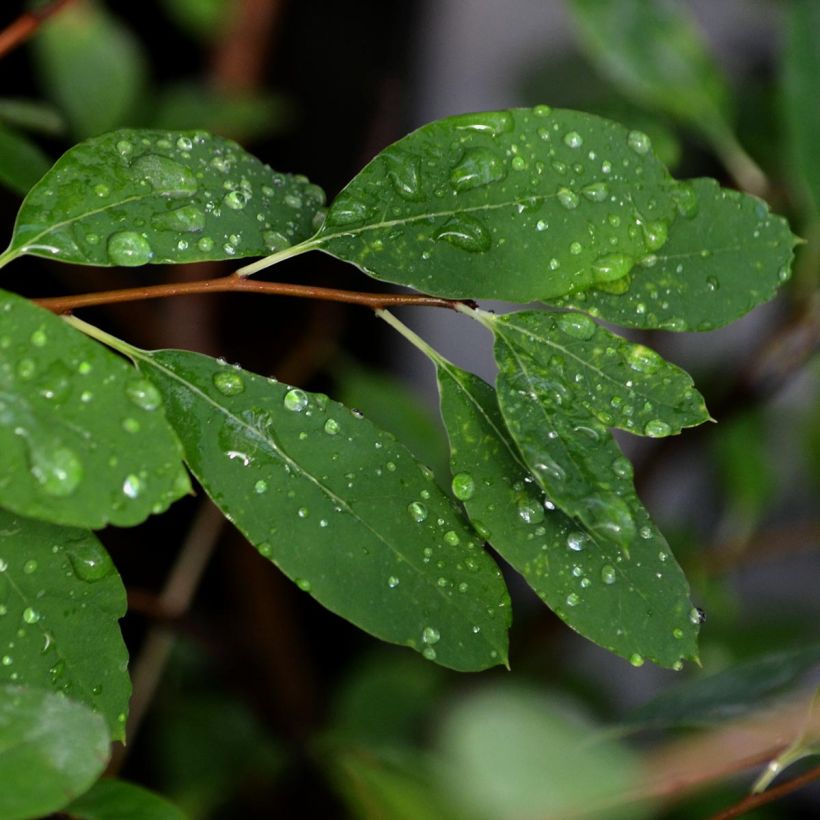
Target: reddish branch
{"x": 26, "y": 25}
{"x": 238, "y": 284}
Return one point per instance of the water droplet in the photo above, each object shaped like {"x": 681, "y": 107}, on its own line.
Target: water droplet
{"x": 656, "y": 428}
{"x": 58, "y": 471}
{"x": 677, "y": 633}
{"x": 129, "y": 249}
{"x": 166, "y": 176}
{"x": 30, "y": 567}
{"x": 303, "y": 584}
{"x": 295, "y": 400}
{"x": 392, "y": 582}
{"x": 488, "y": 122}
{"x": 7, "y": 660}
{"x": 596, "y": 191}
{"x": 451, "y": 538}
{"x": 418, "y": 512}
{"x": 569, "y": 199}
{"x": 784, "y": 274}
{"x": 612, "y": 267}
{"x": 573, "y": 139}
{"x": 575, "y": 248}
{"x": 228, "y": 383}
{"x": 636, "y": 659}
{"x": 466, "y": 233}
{"x": 303, "y": 512}
{"x": 132, "y": 486}
{"x": 463, "y": 486}
{"x": 609, "y": 515}
{"x": 206, "y": 244}
{"x": 686, "y": 199}
{"x": 347, "y": 212}
{"x": 577, "y": 325}
{"x": 430, "y": 635}
{"x": 477, "y": 167}
{"x": 655, "y": 234}
{"x": 187, "y": 219}
{"x": 712, "y": 283}
{"x": 124, "y": 148}
{"x": 429, "y": 653}
{"x": 530, "y": 511}
{"x": 39, "y": 338}
{"x": 542, "y": 110}
{"x": 260, "y": 487}
{"x": 608, "y": 575}
{"x": 404, "y": 174}
{"x": 275, "y": 241}
{"x": 697, "y": 615}
{"x": 25, "y": 369}
{"x": 185, "y": 143}
{"x": 576, "y": 541}
{"x": 143, "y": 394}
{"x": 639, "y": 142}
{"x": 622, "y": 467}
{"x": 30, "y": 616}
{"x": 236, "y": 200}
{"x": 643, "y": 359}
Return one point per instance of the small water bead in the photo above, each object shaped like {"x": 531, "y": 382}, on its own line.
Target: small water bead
{"x": 295, "y": 400}
{"x": 577, "y": 325}
{"x": 636, "y": 659}
{"x": 303, "y": 512}
{"x": 143, "y": 394}
{"x": 332, "y": 427}
{"x": 187, "y": 219}
{"x": 7, "y": 660}
{"x": 39, "y": 338}
{"x": 493, "y": 123}
{"x": 392, "y": 582}
{"x": 608, "y": 574}
{"x": 451, "y": 538}
{"x": 228, "y": 383}
{"x": 303, "y": 584}
{"x": 429, "y": 653}
{"x": 205, "y": 244}
{"x": 610, "y": 516}
{"x": 686, "y": 199}
{"x": 576, "y": 248}
{"x": 677, "y": 633}
{"x": 655, "y": 234}
{"x": 236, "y": 200}
{"x": 31, "y": 616}
{"x": 275, "y": 241}
{"x": 260, "y": 487}
{"x": 542, "y": 110}
{"x": 656, "y": 428}
{"x": 58, "y": 471}
{"x": 541, "y": 225}
{"x": 530, "y": 511}
{"x": 30, "y": 567}
{"x": 595, "y": 191}
{"x": 554, "y": 264}
{"x": 430, "y": 635}
{"x": 518, "y": 163}
{"x": 185, "y": 143}
{"x": 712, "y": 283}
{"x": 124, "y": 148}
{"x": 645, "y": 533}
{"x": 463, "y": 486}
{"x": 132, "y": 486}
{"x": 573, "y": 599}
{"x": 622, "y": 467}
{"x": 612, "y": 267}
{"x": 129, "y": 249}
{"x": 568, "y": 198}
{"x": 573, "y": 139}
{"x": 25, "y": 369}
{"x": 639, "y": 142}
{"x": 576, "y": 541}
{"x": 643, "y": 359}
{"x": 418, "y": 512}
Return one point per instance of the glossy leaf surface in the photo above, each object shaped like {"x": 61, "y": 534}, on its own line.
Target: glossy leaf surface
{"x": 110, "y": 799}
{"x": 636, "y": 606}
{"x": 91, "y": 66}
{"x": 651, "y": 50}
{"x": 60, "y": 601}
{"x": 134, "y": 197}
{"x": 340, "y": 507}
{"x": 801, "y": 69}
{"x": 727, "y": 254}
{"x": 83, "y": 438}
{"x": 22, "y": 163}
{"x": 51, "y": 749}
{"x": 518, "y": 205}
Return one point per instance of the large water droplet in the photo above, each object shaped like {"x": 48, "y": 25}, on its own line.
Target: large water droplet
{"x": 643, "y": 359}
{"x": 569, "y": 199}
{"x": 58, "y": 471}
{"x": 612, "y": 267}
{"x": 129, "y": 249}
{"x": 89, "y": 561}
{"x": 295, "y": 400}
{"x": 404, "y": 175}
{"x": 187, "y": 219}
{"x": 31, "y": 616}
{"x": 636, "y": 659}
{"x": 236, "y": 200}
{"x": 488, "y": 122}
{"x": 463, "y": 486}
{"x": 465, "y": 232}
{"x": 573, "y": 139}
{"x": 656, "y": 428}
{"x": 228, "y": 383}
{"x": 417, "y": 510}
{"x": 143, "y": 394}
{"x": 430, "y": 635}
{"x": 477, "y": 167}
{"x": 530, "y": 511}
{"x": 639, "y": 142}
{"x": 596, "y": 191}
{"x": 576, "y": 541}
{"x": 655, "y": 234}
{"x": 577, "y": 325}
{"x": 166, "y": 176}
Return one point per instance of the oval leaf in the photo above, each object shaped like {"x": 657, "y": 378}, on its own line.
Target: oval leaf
{"x": 728, "y": 256}
{"x": 51, "y": 750}
{"x": 518, "y": 205}
{"x": 339, "y": 506}
{"x": 117, "y": 800}
{"x": 635, "y": 606}
{"x": 134, "y": 197}
{"x": 84, "y": 441}
{"x": 61, "y": 599}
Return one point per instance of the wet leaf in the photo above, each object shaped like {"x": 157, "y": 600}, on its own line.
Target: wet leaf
{"x": 653, "y": 52}
{"x": 134, "y": 197}
{"x": 60, "y": 602}
{"x": 339, "y": 506}
{"x": 22, "y": 163}
{"x": 635, "y": 605}
{"x": 801, "y": 68}
{"x": 91, "y": 66}
{"x": 728, "y": 256}
{"x": 83, "y": 438}
{"x": 518, "y": 205}
{"x": 51, "y": 749}
{"x": 111, "y": 799}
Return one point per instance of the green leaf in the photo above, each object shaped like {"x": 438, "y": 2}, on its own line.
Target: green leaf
{"x": 136, "y": 196}
{"x": 518, "y": 205}
{"x": 730, "y": 255}
{"x": 22, "y": 163}
{"x": 84, "y": 441}
{"x": 51, "y": 749}
{"x": 118, "y": 800}
{"x": 801, "y": 68}
{"x": 635, "y": 606}
{"x": 61, "y": 599}
{"x": 31, "y": 115}
{"x": 339, "y": 506}
{"x": 204, "y": 19}
{"x": 737, "y": 691}
{"x": 91, "y": 66}
{"x": 651, "y": 50}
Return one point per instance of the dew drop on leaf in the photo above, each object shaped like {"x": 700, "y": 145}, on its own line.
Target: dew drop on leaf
{"x": 463, "y": 486}
{"x": 573, "y": 139}
{"x": 656, "y": 428}
{"x": 228, "y": 383}
{"x": 577, "y": 325}
{"x": 418, "y": 512}
{"x": 129, "y": 249}
{"x": 332, "y": 427}
{"x": 58, "y": 471}
{"x": 639, "y": 142}
{"x": 530, "y": 511}
{"x": 477, "y": 167}
{"x": 166, "y": 176}
{"x": 143, "y": 394}
{"x": 636, "y": 659}
{"x": 275, "y": 241}
{"x": 466, "y": 233}
{"x": 295, "y": 400}
{"x": 567, "y": 198}
{"x": 612, "y": 266}
{"x": 608, "y": 575}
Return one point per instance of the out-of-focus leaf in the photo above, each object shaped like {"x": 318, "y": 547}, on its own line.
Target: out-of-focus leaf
{"x": 60, "y": 601}
{"x": 31, "y": 115}
{"x": 635, "y": 606}
{"x": 737, "y": 691}
{"x": 51, "y": 750}
{"x": 801, "y": 74}
{"x": 134, "y": 197}
{"x": 84, "y": 441}
{"x": 91, "y": 66}
{"x": 111, "y": 799}
{"x": 508, "y": 752}
{"x": 203, "y": 19}
{"x": 249, "y": 115}
{"x": 726, "y": 255}
{"x": 340, "y": 506}
{"x": 22, "y": 162}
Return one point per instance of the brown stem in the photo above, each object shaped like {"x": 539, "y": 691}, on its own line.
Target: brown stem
{"x": 26, "y": 25}
{"x": 238, "y": 284}
{"x": 753, "y": 801}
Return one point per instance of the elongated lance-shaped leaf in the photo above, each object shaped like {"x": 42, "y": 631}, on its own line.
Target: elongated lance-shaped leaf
{"x": 60, "y": 601}
{"x": 622, "y": 384}
{"x": 110, "y": 799}
{"x": 83, "y": 437}
{"x": 22, "y": 163}
{"x": 651, "y": 50}
{"x": 136, "y": 196}
{"x": 726, "y": 255}
{"x": 636, "y": 606}
{"x": 339, "y": 506}
{"x": 518, "y": 205}
{"x": 51, "y": 750}
{"x": 801, "y": 68}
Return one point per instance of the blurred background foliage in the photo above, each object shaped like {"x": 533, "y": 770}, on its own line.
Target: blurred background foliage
{"x": 250, "y": 700}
